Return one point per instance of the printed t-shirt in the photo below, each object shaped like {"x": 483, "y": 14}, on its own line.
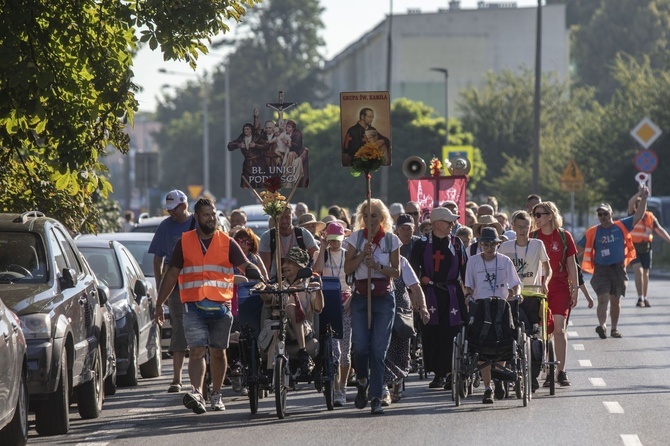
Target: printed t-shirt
{"x": 490, "y": 278}
{"x": 526, "y": 259}
{"x": 609, "y": 243}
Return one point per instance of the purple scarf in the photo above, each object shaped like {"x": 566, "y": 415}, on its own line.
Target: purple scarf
{"x": 431, "y": 297}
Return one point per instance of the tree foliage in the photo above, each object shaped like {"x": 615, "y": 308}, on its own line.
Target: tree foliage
{"x": 638, "y": 29}
{"x": 277, "y": 48}
{"x": 66, "y": 91}
{"x": 500, "y": 116}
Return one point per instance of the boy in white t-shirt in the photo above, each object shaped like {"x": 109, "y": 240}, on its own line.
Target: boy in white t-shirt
{"x": 490, "y": 274}
{"x": 528, "y": 255}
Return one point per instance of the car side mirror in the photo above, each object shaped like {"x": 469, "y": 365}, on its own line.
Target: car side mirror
{"x": 103, "y": 294}
{"x": 140, "y": 289}
{"x": 68, "y": 278}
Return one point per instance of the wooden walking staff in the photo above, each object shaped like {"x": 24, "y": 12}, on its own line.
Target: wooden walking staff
{"x": 368, "y": 178}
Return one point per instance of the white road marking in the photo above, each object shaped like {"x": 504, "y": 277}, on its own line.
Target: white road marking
{"x": 631, "y": 440}
{"x": 597, "y": 382}
{"x": 573, "y": 334}
{"x": 92, "y": 444}
{"x": 585, "y": 363}
{"x": 613, "y": 407}
{"x": 569, "y": 322}
{"x": 578, "y": 346}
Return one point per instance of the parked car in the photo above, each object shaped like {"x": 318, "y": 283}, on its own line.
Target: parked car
{"x": 45, "y": 282}
{"x": 133, "y": 301}
{"x": 258, "y": 220}
{"x": 13, "y": 380}
{"x": 138, "y": 244}
{"x": 150, "y": 224}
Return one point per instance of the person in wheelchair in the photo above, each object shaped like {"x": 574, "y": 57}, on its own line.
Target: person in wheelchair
{"x": 300, "y": 309}
{"x": 490, "y": 274}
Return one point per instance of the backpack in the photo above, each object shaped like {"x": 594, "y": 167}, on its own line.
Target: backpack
{"x": 273, "y": 242}
{"x": 351, "y": 278}
{"x": 492, "y": 322}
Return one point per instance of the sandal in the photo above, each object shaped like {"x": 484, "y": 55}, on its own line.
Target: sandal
{"x": 174, "y": 388}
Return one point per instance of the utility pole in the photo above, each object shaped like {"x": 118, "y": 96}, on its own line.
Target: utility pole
{"x": 537, "y": 104}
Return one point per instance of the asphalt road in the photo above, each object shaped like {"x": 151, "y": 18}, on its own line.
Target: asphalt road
{"x": 619, "y": 395}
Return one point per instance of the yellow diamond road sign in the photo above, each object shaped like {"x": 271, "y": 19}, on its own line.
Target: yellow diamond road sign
{"x": 646, "y": 132}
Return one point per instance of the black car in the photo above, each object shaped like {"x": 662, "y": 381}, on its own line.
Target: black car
{"x": 133, "y": 301}
{"x": 45, "y": 282}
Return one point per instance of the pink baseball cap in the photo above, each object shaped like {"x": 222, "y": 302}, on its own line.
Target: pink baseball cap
{"x": 335, "y": 231}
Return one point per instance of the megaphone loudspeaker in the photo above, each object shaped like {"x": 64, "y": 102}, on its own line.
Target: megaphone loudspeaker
{"x": 414, "y": 167}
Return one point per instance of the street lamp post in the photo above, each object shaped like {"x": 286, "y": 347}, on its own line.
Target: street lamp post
{"x": 446, "y": 97}
{"x": 205, "y": 125}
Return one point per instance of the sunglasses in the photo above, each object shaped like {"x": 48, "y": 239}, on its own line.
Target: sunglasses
{"x": 244, "y": 241}
{"x": 540, "y": 214}
{"x": 603, "y": 214}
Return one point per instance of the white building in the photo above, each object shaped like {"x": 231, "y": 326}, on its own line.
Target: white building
{"x": 466, "y": 42}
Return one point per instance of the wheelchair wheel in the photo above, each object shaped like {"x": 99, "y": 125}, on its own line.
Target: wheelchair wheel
{"x": 456, "y": 372}
{"x": 552, "y": 366}
{"x": 281, "y": 385}
{"x": 252, "y": 377}
{"x": 528, "y": 371}
{"x": 328, "y": 376}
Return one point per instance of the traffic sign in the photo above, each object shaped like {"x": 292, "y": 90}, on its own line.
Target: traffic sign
{"x": 646, "y": 132}
{"x": 646, "y": 160}
{"x": 572, "y": 178}
{"x": 194, "y": 191}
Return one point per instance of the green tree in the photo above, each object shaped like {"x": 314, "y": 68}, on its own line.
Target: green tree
{"x": 500, "y": 117}
{"x": 642, "y": 92}
{"x": 621, "y": 27}
{"x": 278, "y": 49}
{"x": 66, "y": 90}
{"x": 578, "y": 12}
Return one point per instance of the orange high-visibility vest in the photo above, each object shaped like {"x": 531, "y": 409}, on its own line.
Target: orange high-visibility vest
{"x": 644, "y": 229}
{"x": 207, "y": 275}
{"x": 588, "y": 263}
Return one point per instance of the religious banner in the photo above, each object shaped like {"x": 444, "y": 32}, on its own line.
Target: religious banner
{"x": 429, "y": 192}
{"x": 365, "y": 117}
{"x": 272, "y": 149}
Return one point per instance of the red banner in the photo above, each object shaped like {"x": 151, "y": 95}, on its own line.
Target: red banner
{"x": 429, "y": 192}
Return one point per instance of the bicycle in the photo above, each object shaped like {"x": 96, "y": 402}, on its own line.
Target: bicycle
{"x": 281, "y": 379}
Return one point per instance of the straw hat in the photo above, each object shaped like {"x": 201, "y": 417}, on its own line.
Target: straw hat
{"x": 309, "y": 219}
{"x": 486, "y": 221}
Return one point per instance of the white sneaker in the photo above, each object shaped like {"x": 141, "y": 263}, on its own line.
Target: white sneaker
{"x": 217, "y": 401}
{"x": 340, "y": 398}
{"x": 386, "y": 397}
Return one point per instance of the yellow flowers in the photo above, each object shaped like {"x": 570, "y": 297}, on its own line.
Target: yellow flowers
{"x": 369, "y": 152}
{"x": 274, "y": 203}
{"x": 367, "y": 159}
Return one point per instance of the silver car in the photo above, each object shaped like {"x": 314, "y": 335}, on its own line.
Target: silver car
{"x": 13, "y": 380}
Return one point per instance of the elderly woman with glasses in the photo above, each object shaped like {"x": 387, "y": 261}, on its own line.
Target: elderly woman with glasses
{"x": 564, "y": 283}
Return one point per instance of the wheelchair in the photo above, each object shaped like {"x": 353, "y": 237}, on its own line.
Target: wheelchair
{"x": 416, "y": 350}
{"x": 473, "y": 352}
{"x": 536, "y": 308}
{"x": 285, "y": 376}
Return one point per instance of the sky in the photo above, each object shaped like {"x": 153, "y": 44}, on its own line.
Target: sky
{"x": 340, "y": 31}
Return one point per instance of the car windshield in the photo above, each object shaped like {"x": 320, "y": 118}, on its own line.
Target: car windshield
{"x": 140, "y": 250}
{"x": 104, "y": 264}
{"x": 22, "y": 258}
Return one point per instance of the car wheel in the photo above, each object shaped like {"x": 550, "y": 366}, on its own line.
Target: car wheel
{"x": 90, "y": 394}
{"x": 52, "y": 416}
{"x": 16, "y": 432}
{"x": 131, "y": 377}
{"x": 152, "y": 368}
